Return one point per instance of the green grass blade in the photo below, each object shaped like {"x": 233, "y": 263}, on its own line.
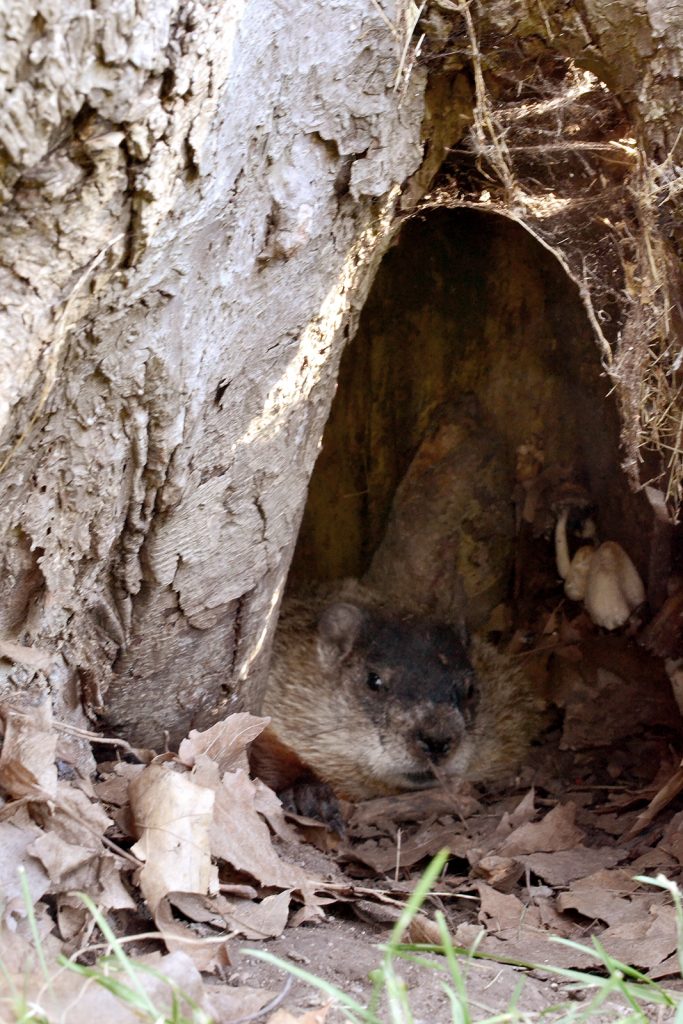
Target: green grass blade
{"x": 397, "y": 998}
{"x": 459, "y": 1013}
{"x": 472, "y": 954}
{"x": 396, "y": 993}
{"x": 418, "y": 897}
{"x": 327, "y": 987}
{"x": 662, "y": 882}
{"x": 122, "y": 959}
{"x": 613, "y": 966}
{"x": 454, "y": 968}
{"x": 33, "y": 924}
{"x": 130, "y": 996}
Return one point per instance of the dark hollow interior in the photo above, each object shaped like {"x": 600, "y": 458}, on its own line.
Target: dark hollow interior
{"x": 465, "y": 303}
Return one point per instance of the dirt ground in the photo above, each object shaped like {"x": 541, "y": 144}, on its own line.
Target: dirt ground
{"x": 344, "y": 952}
{"x": 556, "y": 857}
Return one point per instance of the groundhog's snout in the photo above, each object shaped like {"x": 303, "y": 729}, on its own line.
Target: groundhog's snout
{"x": 437, "y": 735}
{"x": 435, "y": 747}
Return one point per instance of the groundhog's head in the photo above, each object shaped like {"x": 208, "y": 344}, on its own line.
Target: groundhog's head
{"x": 404, "y": 693}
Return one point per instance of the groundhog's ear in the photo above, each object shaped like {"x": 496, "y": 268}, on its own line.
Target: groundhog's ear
{"x": 338, "y": 629}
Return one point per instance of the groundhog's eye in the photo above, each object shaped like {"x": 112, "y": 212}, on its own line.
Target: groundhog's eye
{"x": 467, "y": 687}
{"x": 374, "y": 681}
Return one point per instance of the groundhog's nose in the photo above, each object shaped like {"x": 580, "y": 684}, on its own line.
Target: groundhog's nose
{"x": 435, "y": 747}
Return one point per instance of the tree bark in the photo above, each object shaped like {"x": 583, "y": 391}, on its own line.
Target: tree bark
{"x": 197, "y": 196}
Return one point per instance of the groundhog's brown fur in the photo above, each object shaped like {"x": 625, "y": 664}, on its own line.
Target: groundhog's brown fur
{"x": 374, "y": 702}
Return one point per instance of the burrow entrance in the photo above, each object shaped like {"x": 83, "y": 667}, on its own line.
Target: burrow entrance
{"x": 470, "y": 321}
{"x": 471, "y": 392}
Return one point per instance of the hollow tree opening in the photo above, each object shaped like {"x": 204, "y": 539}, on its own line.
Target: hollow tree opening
{"x": 467, "y": 311}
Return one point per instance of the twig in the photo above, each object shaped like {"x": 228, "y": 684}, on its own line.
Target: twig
{"x": 95, "y": 737}
{"x": 118, "y": 852}
{"x": 272, "y": 1005}
{"x": 206, "y": 940}
{"x": 483, "y": 120}
{"x": 410, "y": 28}
{"x": 385, "y": 18}
{"x": 397, "y": 869}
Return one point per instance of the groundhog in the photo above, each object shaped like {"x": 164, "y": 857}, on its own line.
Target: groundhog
{"x": 374, "y": 702}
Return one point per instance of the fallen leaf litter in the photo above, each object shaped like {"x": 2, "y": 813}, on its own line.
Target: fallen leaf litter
{"x": 190, "y": 850}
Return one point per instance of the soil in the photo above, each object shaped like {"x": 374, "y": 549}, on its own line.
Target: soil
{"x": 345, "y": 952}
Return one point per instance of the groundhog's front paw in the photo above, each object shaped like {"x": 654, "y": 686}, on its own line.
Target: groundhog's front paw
{"x": 313, "y": 799}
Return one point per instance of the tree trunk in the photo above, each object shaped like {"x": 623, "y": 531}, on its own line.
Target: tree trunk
{"x": 197, "y": 197}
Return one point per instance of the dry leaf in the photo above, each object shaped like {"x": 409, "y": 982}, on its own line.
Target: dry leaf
{"x": 384, "y": 915}
{"x": 510, "y": 820}
{"x": 18, "y": 954}
{"x": 226, "y": 1004}
{"x": 531, "y": 947}
{"x": 244, "y": 892}
{"x": 240, "y": 836}
{"x": 385, "y": 856}
{"x": 671, "y": 788}
{"x": 599, "y": 904}
{"x": 552, "y": 920}
{"x": 83, "y": 866}
{"x": 671, "y": 967}
{"x": 71, "y": 847}
{"x": 27, "y": 761}
{"x": 250, "y": 917}
{"x": 565, "y": 866}
{"x": 318, "y": 1016}
{"x": 415, "y": 806}
{"x": 15, "y": 840}
{"x": 113, "y": 787}
{"x": 70, "y": 997}
{"x": 501, "y": 912}
{"x": 264, "y": 920}
{"x": 76, "y": 819}
{"x": 619, "y": 882}
{"x": 225, "y": 742}
{"x": 173, "y": 817}
{"x": 525, "y": 809}
{"x": 468, "y": 936}
{"x": 205, "y": 953}
{"x": 73, "y": 920}
{"x": 618, "y": 675}
{"x": 663, "y": 636}
{"x": 557, "y": 831}
{"x": 60, "y": 859}
{"x": 615, "y": 824}
{"x": 198, "y": 907}
{"x": 423, "y": 930}
{"x": 311, "y": 911}
{"x": 500, "y": 873}
{"x": 268, "y": 805}
{"x": 645, "y": 942}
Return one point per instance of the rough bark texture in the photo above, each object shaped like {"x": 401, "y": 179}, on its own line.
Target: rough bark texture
{"x": 197, "y": 196}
